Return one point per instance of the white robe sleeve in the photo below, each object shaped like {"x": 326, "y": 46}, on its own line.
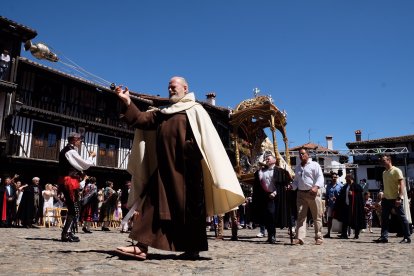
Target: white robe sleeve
{"x": 77, "y": 161}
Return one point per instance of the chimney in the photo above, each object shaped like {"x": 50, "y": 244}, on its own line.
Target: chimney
{"x": 329, "y": 142}
{"x": 358, "y": 135}
{"x": 211, "y": 98}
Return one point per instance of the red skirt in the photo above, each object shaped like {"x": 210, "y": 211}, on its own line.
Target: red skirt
{"x": 70, "y": 185}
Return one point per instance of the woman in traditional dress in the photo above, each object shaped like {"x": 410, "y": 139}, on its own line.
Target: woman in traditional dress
{"x": 89, "y": 204}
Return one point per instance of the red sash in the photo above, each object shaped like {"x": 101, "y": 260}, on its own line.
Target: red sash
{"x": 4, "y": 213}
{"x": 70, "y": 184}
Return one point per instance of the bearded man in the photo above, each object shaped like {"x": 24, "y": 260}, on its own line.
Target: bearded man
{"x": 180, "y": 173}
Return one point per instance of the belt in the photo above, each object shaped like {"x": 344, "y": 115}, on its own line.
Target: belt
{"x": 304, "y": 191}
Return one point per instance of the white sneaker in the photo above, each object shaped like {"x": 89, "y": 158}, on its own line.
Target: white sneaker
{"x": 363, "y": 230}
{"x": 124, "y": 227}
{"x": 260, "y": 235}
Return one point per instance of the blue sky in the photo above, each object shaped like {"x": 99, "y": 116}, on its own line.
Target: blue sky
{"x": 334, "y": 66}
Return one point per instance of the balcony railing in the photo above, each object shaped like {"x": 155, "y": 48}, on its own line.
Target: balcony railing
{"x": 72, "y": 109}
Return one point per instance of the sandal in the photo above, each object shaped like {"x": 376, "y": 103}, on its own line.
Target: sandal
{"x": 133, "y": 251}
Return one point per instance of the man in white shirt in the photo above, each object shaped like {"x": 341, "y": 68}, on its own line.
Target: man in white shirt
{"x": 71, "y": 166}
{"x": 308, "y": 180}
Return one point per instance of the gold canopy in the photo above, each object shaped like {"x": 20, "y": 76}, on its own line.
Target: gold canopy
{"x": 249, "y": 119}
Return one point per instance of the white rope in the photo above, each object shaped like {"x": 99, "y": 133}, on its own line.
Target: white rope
{"x": 84, "y": 73}
{"x": 89, "y": 73}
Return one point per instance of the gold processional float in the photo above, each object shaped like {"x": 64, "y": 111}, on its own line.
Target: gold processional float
{"x": 249, "y": 120}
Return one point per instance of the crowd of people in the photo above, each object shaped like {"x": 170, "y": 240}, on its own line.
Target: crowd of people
{"x": 35, "y": 204}
{"x": 266, "y": 207}
{"x": 279, "y": 201}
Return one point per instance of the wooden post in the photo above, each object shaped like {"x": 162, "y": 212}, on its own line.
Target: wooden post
{"x": 273, "y": 129}
{"x": 236, "y": 150}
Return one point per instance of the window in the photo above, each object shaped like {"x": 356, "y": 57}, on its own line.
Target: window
{"x": 45, "y": 141}
{"x": 321, "y": 161}
{"x": 371, "y": 173}
{"x": 126, "y": 143}
{"x": 375, "y": 173}
{"x": 14, "y": 144}
{"x": 47, "y": 92}
{"x": 108, "y": 151}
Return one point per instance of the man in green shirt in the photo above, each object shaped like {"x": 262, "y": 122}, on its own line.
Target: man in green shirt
{"x": 394, "y": 186}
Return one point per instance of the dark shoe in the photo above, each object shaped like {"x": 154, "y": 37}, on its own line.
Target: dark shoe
{"x": 381, "y": 240}
{"x": 327, "y": 236}
{"x": 105, "y": 229}
{"x": 272, "y": 240}
{"x": 356, "y": 237}
{"x": 234, "y": 238}
{"x": 73, "y": 237}
{"x": 86, "y": 230}
{"x": 70, "y": 238}
{"x": 191, "y": 256}
{"x": 407, "y": 240}
{"x": 344, "y": 237}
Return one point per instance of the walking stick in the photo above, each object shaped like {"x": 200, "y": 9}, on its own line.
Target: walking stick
{"x": 289, "y": 213}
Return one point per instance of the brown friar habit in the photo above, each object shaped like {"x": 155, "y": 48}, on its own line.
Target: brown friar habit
{"x": 173, "y": 209}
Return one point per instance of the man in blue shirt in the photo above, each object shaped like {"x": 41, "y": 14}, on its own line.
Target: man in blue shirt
{"x": 332, "y": 192}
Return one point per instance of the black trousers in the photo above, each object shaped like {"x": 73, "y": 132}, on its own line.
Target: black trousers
{"x": 270, "y": 218}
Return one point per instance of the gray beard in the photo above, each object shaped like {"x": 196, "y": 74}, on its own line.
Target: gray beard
{"x": 175, "y": 98}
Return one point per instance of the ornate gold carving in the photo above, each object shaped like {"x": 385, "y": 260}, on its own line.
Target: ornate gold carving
{"x": 257, "y": 101}
{"x": 249, "y": 119}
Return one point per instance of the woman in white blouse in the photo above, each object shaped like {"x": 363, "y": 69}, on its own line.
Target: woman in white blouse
{"x": 48, "y": 194}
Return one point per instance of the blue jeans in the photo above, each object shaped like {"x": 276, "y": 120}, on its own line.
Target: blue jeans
{"x": 387, "y": 205}
{"x": 262, "y": 229}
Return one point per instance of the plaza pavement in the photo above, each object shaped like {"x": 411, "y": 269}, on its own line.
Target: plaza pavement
{"x": 39, "y": 252}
